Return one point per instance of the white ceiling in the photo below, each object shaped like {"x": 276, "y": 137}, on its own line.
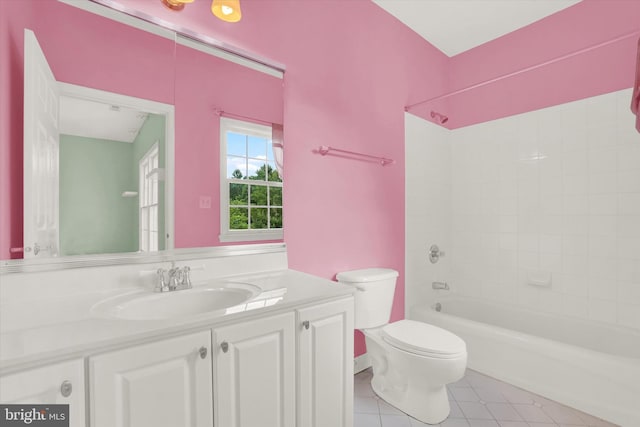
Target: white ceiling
{"x": 92, "y": 119}
{"x": 454, "y": 26}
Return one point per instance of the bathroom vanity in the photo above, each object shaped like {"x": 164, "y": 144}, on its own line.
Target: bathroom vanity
{"x": 283, "y": 357}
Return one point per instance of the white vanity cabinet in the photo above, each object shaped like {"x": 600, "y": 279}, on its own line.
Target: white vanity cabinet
{"x": 255, "y": 373}
{"x": 286, "y": 368}
{"x": 164, "y": 383}
{"x": 62, "y": 383}
{"x": 325, "y": 364}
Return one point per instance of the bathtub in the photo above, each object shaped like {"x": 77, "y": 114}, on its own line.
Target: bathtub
{"x": 590, "y": 366}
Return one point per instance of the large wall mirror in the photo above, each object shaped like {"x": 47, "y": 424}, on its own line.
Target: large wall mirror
{"x": 121, "y": 130}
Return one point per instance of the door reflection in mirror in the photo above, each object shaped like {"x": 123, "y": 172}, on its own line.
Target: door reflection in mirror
{"x": 111, "y": 179}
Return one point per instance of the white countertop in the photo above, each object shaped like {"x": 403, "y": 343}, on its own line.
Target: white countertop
{"x": 71, "y": 329}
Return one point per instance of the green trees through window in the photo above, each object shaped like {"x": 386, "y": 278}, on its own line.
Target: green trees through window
{"x": 253, "y": 203}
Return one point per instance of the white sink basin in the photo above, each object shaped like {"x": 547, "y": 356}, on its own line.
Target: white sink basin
{"x": 176, "y": 304}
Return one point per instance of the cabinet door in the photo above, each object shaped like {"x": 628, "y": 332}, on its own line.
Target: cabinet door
{"x": 62, "y": 383}
{"x": 325, "y": 365}
{"x": 166, "y": 383}
{"x": 255, "y": 373}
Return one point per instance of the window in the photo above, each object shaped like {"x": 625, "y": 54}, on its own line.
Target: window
{"x": 251, "y": 187}
{"x": 148, "y": 196}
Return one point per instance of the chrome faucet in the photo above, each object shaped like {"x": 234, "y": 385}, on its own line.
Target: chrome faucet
{"x": 440, "y": 285}
{"x": 178, "y": 279}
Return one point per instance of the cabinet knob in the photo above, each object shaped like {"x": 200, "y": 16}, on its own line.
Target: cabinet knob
{"x": 224, "y": 346}
{"x": 305, "y": 324}
{"x": 203, "y": 352}
{"x": 66, "y": 388}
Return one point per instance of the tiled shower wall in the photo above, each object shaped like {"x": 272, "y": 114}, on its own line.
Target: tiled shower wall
{"x": 427, "y": 207}
{"x": 551, "y": 192}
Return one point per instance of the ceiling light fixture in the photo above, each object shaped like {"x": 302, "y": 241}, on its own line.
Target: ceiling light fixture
{"x": 227, "y": 10}
{"x": 175, "y": 5}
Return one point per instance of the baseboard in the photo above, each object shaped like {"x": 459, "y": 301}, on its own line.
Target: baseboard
{"x": 361, "y": 363}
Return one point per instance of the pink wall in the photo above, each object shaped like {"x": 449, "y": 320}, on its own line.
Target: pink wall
{"x": 594, "y": 72}
{"x": 204, "y": 84}
{"x": 350, "y": 72}
{"x": 349, "y": 76}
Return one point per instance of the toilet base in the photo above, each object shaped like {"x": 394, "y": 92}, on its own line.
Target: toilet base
{"x": 413, "y": 383}
{"x": 429, "y": 405}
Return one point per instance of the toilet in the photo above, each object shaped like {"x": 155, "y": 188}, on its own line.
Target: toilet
{"x": 412, "y": 361}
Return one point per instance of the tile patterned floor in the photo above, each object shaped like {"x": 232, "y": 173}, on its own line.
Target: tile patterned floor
{"x": 476, "y": 401}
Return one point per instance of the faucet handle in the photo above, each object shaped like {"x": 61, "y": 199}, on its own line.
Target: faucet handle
{"x": 186, "y": 277}
{"x": 161, "y": 286}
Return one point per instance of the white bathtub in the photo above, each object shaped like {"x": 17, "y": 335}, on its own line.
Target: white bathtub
{"x": 591, "y": 366}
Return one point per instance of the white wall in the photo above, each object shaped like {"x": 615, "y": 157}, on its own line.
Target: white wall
{"x": 555, "y": 191}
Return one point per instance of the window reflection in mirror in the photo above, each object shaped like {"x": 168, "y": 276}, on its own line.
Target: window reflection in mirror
{"x": 251, "y": 190}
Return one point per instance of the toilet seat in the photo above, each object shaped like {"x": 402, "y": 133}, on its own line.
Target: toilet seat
{"x": 423, "y": 339}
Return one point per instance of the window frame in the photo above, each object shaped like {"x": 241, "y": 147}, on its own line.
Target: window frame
{"x": 244, "y": 235}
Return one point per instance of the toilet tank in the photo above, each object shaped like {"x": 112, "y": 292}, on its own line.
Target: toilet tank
{"x": 374, "y": 295}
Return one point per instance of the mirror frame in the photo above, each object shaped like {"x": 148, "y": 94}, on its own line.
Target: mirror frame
{"x": 113, "y": 10}
{"x": 83, "y": 261}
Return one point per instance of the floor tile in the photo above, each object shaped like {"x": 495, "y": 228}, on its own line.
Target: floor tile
{"x": 483, "y": 423}
{"x": 455, "y": 412}
{"x": 592, "y": 421}
{"x": 363, "y": 389}
{"x": 476, "y": 401}
{"x": 532, "y": 413}
{"x": 385, "y": 408}
{"x": 454, "y": 422}
{"x": 490, "y": 395}
{"x": 461, "y": 383}
{"x": 475, "y": 410}
{"x": 464, "y": 394}
{"x": 563, "y": 415}
{"x": 516, "y": 424}
{"x": 366, "y": 420}
{"x": 365, "y": 405}
{"x": 503, "y": 412}
{"x": 395, "y": 420}
{"x": 516, "y": 395}
{"x": 476, "y": 379}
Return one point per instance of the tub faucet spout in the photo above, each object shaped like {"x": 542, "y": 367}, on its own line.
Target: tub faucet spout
{"x": 440, "y": 285}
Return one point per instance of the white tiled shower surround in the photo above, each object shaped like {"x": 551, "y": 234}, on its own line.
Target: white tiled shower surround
{"x": 551, "y": 191}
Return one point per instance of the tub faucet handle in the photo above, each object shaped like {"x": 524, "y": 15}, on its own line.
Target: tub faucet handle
{"x": 435, "y": 253}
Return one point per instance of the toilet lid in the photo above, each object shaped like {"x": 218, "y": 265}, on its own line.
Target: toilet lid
{"x": 422, "y": 338}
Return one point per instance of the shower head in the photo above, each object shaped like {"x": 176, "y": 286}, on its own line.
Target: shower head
{"x": 442, "y": 119}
